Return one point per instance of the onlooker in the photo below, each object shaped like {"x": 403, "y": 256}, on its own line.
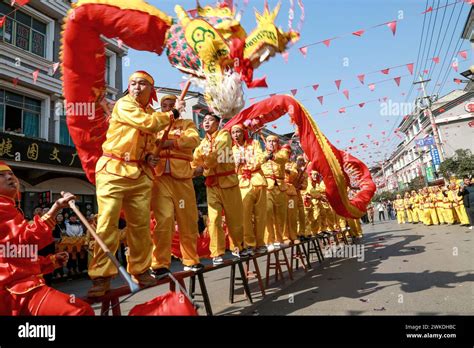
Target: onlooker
{"x": 467, "y": 192}
{"x": 370, "y": 213}
{"x": 390, "y": 212}
{"x": 381, "y": 210}
{"x": 78, "y": 258}
{"x": 58, "y": 232}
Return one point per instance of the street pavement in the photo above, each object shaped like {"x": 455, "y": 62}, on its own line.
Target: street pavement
{"x": 394, "y": 270}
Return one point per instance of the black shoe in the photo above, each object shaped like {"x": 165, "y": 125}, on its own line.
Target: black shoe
{"x": 160, "y": 272}
{"x": 194, "y": 268}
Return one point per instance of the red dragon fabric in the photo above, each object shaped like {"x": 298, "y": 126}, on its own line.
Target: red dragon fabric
{"x": 341, "y": 171}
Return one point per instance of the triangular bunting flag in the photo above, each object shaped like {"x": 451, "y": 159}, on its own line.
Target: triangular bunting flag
{"x": 455, "y": 66}
{"x": 327, "y": 42}
{"x": 342, "y": 110}
{"x": 425, "y": 72}
{"x": 457, "y": 81}
{"x": 15, "y": 81}
{"x": 338, "y": 83}
{"x": 372, "y": 87}
{"x": 320, "y": 98}
{"x": 397, "y": 80}
{"x": 55, "y": 67}
{"x": 252, "y": 100}
{"x": 294, "y": 91}
{"x": 19, "y": 2}
{"x": 410, "y": 68}
{"x": 304, "y": 51}
{"x": 385, "y": 71}
{"x": 361, "y": 105}
{"x": 435, "y": 59}
{"x": 346, "y": 93}
{"x": 361, "y": 78}
{"x": 358, "y": 32}
{"x": 370, "y": 125}
{"x": 393, "y": 26}
{"x": 2, "y": 20}
{"x": 35, "y": 75}
{"x": 120, "y": 43}
{"x": 315, "y": 87}
{"x": 285, "y": 56}
{"x": 429, "y": 9}
{"x": 463, "y": 54}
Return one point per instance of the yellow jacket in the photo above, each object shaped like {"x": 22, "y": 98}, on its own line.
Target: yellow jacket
{"x": 274, "y": 170}
{"x": 291, "y": 174}
{"x": 177, "y": 160}
{"x": 399, "y": 204}
{"x": 214, "y": 154}
{"x": 130, "y": 139}
{"x": 250, "y": 172}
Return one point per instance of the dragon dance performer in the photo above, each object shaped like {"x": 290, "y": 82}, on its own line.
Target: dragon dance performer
{"x": 291, "y": 174}
{"x": 249, "y": 157}
{"x": 313, "y": 204}
{"x": 413, "y": 199}
{"x": 173, "y": 196}
{"x": 213, "y": 157}
{"x": 22, "y": 288}
{"x": 274, "y": 171}
{"x": 408, "y": 207}
{"x": 439, "y": 207}
{"x": 399, "y": 206}
{"x": 458, "y": 204}
{"x": 301, "y": 183}
{"x": 124, "y": 181}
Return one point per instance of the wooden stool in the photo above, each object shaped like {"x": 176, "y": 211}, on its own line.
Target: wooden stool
{"x": 257, "y": 273}
{"x": 204, "y": 294}
{"x": 298, "y": 255}
{"x": 277, "y": 266}
{"x": 315, "y": 248}
{"x": 243, "y": 278}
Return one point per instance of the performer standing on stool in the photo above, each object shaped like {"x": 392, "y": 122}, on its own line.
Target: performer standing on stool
{"x": 22, "y": 288}
{"x": 173, "y": 196}
{"x": 124, "y": 181}
{"x": 213, "y": 157}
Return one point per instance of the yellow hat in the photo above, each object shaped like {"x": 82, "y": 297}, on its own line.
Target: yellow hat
{"x": 168, "y": 97}
{"x": 4, "y": 167}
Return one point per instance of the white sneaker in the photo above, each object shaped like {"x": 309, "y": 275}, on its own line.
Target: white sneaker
{"x": 270, "y": 247}
{"x": 218, "y": 260}
{"x": 261, "y": 250}
{"x": 471, "y": 227}
{"x": 277, "y": 245}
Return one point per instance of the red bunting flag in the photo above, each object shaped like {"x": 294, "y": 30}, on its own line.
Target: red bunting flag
{"x": 361, "y": 105}
{"x": 346, "y": 93}
{"x": 361, "y": 78}
{"x": 463, "y": 54}
{"x": 385, "y": 71}
{"x": 35, "y": 75}
{"x": 368, "y": 136}
{"x": 294, "y": 91}
{"x": 19, "y": 2}
{"x": 397, "y": 80}
{"x": 193, "y": 12}
{"x": 338, "y": 83}
{"x": 2, "y": 20}
{"x": 429, "y": 9}
{"x": 383, "y": 132}
{"x": 304, "y": 51}
{"x": 15, "y": 81}
{"x": 372, "y": 87}
{"x": 425, "y": 72}
{"x": 252, "y": 100}
{"x": 315, "y": 87}
{"x": 358, "y": 32}
{"x": 320, "y": 98}
{"x": 410, "y": 68}
{"x": 457, "y": 81}
{"x": 338, "y": 130}
{"x": 435, "y": 59}
{"x": 370, "y": 125}
{"x": 327, "y": 42}
{"x": 120, "y": 43}
{"x": 338, "y": 141}
{"x": 274, "y": 126}
{"x": 393, "y": 26}
{"x": 285, "y": 56}
{"x": 342, "y": 110}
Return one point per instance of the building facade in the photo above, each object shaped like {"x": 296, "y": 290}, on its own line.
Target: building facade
{"x": 34, "y": 138}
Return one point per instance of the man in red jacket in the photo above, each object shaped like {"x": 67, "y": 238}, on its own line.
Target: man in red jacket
{"x": 22, "y": 287}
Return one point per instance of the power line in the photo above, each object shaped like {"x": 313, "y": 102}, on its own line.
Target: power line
{"x": 437, "y": 41}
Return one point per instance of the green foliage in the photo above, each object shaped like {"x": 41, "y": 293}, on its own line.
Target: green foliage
{"x": 460, "y": 164}
{"x": 416, "y": 184}
{"x": 383, "y": 196}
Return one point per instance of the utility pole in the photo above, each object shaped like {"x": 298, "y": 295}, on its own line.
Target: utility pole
{"x": 434, "y": 127}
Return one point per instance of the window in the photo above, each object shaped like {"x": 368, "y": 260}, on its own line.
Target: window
{"x": 23, "y": 31}
{"x": 64, "y": 136}
{"x": 107, "y": 70}
{"x": 20, "y": 114}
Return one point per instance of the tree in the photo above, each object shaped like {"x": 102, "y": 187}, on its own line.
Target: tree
{"x": 416, "y": 184}
{"x": 459, "y": 165}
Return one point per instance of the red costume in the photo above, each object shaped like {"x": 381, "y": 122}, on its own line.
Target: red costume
{"x": 22, "y": 287}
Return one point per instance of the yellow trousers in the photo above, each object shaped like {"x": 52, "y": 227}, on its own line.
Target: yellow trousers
{"x": 448, "y": 215}
{"x": 409, "y": 215}
{"x": 414, "y": 215}
{"x": 401, "y": 216}
{"x": 276, "y": 216}
{"x": 355, "y": 227}
{"x": 228, "y": 200}
{"x": 174, "y": 199}
{"x": 254, "y": 201}
{"x": 318, "y": 219}
{"x": 133, "y": 196}
{"x": 301, "y": 217}
{"x": 291, "y": 228}
{"x": 462, "y": 215}
{"x": 329, "y": 218}
{"x": 439, "y": 212}
{"x": 434, "y": 216}
{"x": 309, "y": 221}
{"x": 421, "y": 214}
{"x": 341, "y": 222}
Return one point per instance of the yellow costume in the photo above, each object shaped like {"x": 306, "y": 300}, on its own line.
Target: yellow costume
{"x": 399, "y": 206}
{"x": 407, "y": 206}
{"x": 414, "y": 207}
{"x": 439, "y": 205}
{"x": 458, "y": 205}
{"x": 173, "y": 197}
{"x": 430, "y": 202}
{"x": 274, "y": 171}
{"x": 314, "y": 209}
{"x": 124, "y": 181}
{"x": 448, "y": 210}
{"x": 291, "y": 229}
{"x": 355, "y": 227}
{"x": 253, "y": 188}
{"x": 301, "y": 185}
{"x": 214, "y": 154}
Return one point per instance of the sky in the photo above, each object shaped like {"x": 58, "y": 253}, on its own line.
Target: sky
{"x": 346, "y": 58}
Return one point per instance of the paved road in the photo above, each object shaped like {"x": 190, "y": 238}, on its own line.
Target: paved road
{"x": 403, "y": 270}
